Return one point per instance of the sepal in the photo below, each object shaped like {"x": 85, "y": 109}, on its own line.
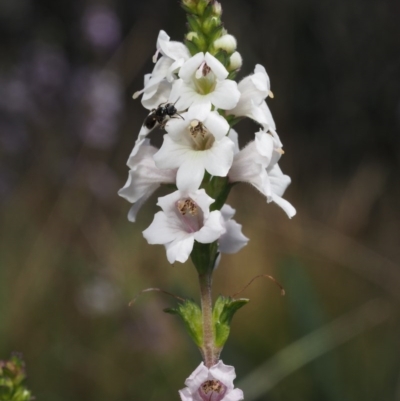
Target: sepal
{"x": 204, "y": 256}
{"x": 191, "y": 315}
{"x": 223, "y": 312}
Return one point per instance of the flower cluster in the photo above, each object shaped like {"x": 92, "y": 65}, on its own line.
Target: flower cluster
{"x": 192, "y": 95}
{"x": 200, "y": 147}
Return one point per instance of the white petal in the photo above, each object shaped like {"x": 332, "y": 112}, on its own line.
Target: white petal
{"x": 171, "y": 49}
{"x": 174, "y": 68}
{"x": 279, "y": 181}
{"x": 160, "y": 96}
{"x": 197, "y": 378}
{"x": 137, "y": 151}
{"x": 190, "y": 173}
{"x": 212, "y": 229}
{"x": 215, "y": 123}
{"x": 224, "y": 373}
{"x": 180, "y": 249}
{"x": 284, "y": 204}
{"x": 234, "y": 137}
{"x": 185, "y": 394}
{"x": 233, "y": 240}
{"x": 234, "y": 395}
{"x": 133, "y": 211}
{"x": 160, "y": 71}
{"x": 216, "y": 66}
{"x": 226, "y": 95}
{"x": 265, "y": 147}
{"x": 227, "y": 212}
{"x": 203, "y": 200}
{"x": 270, "y": 123}
{"x": 185, "y": 96}
{"x": 162, "y": 230}
{"x": 218, "y": 160}
{"x": 189, "y": 68}
{"x": 261, "y": 80}
{"x": 172, "y": 154}
{"x": 198, "y": 111}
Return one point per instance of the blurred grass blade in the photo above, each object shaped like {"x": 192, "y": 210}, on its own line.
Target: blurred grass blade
{"x": 313, "y": 345}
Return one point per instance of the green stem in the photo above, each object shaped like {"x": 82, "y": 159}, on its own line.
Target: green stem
{"x": 209, "y": 352}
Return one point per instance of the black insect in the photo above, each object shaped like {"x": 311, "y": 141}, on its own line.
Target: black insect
{"x": 160, "y": 114}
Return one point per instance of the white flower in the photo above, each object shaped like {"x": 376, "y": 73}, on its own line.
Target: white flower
{"x": 144, "y": 177}
{"x": 226, "y": 42}
{"x": 233, "y": 240}
{"x": 195, "y": 144}
{"x": 236, "y": 61}
{"x": 213, "y": 384}
{"x": 257, "y": 165}
{"x": 185, "y": 217}
{"x": 203, "y": 82}
{"x": 254, "y": 89}
{"x": 157, "y": 85}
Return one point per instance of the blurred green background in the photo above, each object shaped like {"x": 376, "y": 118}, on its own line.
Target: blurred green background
{"x": 70, "y": 262}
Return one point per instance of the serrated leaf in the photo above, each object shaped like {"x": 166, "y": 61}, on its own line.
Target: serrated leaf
{"x": 223, "y": 312}
{"x": 191, "y": 315}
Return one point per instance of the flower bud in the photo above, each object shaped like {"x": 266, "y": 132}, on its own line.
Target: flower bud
{"x": 217, "y": 9}
{"x": 210, "y": 24}
{"x": 189, "y": 4}
{"x": 236, "y": 61}
{"x": 226, "y": 42}
{"x": 192, "y": 36}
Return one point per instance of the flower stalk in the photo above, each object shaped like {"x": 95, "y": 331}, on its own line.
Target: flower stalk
{"x": 210, "y": 356}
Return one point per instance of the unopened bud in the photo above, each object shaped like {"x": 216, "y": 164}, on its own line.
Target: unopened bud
{"x": 236, "y": 61}
{"x": 210, "y": 24}
{"x": 227, "y": 43}
{"x": 192, "y": 36}
{"x": 217, "y": 9}
{"x": 190, "y": 4}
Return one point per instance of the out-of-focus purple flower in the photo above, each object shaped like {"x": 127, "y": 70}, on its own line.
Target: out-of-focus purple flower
{"x": 98, "y": 96}
{"x": 49, "y": 68}
{"x": 101, "y": 27}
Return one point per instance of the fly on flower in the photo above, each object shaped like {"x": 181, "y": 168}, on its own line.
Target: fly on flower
{"x": 160, "y": 114}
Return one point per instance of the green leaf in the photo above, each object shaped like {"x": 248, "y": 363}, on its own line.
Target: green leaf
{"x": 223, "y": 311}
{"x": 191, "y": 315}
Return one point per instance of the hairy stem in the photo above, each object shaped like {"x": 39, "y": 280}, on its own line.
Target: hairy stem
{"x": 208, "y": 351}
